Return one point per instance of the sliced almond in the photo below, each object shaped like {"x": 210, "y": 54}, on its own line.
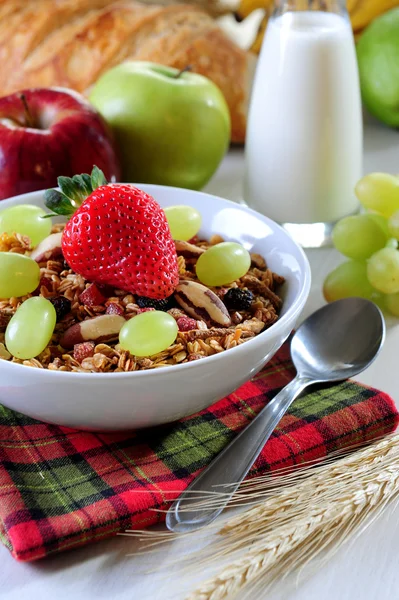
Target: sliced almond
{"x": 254, "y": 325}
{"x": 4, "y": 353}
{"x": 201, "y": 303}
{"x": 99, "y": 329}
{"x": 48, "y": 248}
{"x": 188, "y": 250}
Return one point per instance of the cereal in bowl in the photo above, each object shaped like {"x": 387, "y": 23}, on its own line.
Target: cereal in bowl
{"x": 111, "y": 290}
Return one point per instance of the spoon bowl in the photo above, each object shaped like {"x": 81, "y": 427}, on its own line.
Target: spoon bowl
{"x": 339, "y": 340}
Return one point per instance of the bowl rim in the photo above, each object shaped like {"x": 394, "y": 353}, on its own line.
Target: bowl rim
{"x": 292, "y": 312}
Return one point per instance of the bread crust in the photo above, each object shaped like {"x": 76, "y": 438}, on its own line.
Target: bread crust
{"x": 70, "y": 43}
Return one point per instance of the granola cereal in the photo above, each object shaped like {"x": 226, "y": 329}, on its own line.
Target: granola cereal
{"x": 206, "y": 338}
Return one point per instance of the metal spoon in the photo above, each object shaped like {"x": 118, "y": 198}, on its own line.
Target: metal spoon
{"x": 336, "y": 342}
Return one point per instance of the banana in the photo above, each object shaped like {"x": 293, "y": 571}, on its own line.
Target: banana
{"x": 361, "y": 12}
{"x": 365, "y": 11}
{"x": 256, "y": 46}
{"x": 248, "y": 6}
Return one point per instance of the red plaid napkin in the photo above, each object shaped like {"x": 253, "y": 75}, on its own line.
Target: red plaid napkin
{"x": 61, "y": 488}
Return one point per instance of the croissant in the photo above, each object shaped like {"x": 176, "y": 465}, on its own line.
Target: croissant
{"x": 71, "y": 43}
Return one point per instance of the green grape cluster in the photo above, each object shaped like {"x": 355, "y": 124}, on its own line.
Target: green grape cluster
{"x": 370, "y": 242}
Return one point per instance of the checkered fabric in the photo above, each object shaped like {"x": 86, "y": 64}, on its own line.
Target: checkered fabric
{"x": 61, "y": 488}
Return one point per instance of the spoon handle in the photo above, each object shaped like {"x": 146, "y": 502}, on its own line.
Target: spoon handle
{"x": 231, "y": 466}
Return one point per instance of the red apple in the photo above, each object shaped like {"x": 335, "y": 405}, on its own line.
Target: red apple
{"x": 47, "y": 132}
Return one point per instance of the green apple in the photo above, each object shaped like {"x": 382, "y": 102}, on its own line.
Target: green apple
{"x": 172, "y": 127}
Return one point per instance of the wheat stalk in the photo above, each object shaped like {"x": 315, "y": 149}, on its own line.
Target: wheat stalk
{"x": 319, "y": 513}
{"x": 295, "y": 544}
{"x": 302, "y": 515}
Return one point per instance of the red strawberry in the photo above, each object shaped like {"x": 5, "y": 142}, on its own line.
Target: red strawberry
{"x": 119, "y": 236}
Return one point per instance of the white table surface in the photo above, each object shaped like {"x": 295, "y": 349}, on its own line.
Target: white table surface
{"x": 366, "y": 570}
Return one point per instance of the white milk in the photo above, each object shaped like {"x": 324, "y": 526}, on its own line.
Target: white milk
{"x": 304, "y": 137}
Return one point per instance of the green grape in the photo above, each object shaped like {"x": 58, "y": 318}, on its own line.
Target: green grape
{"x": 393, "y": 225}
{"x": 379, "y": 192}
{"x": 381, "y": 221}
{"x": 31, "y": 328}
{"x": 383, "y": 271}
{"x": 358, "y": 236}
{"x": 184, "y": 221}
{"x": 392, "y": 304}
{"x": 222, "y": 264}
{"x": 392, "y": 243}
{"x": 346, "y": 280}
{"x": 380, "y": 300}
{"x": 19, "y": 275}
{"x": 148, "y": 333}
{"x": 25, "y": 219}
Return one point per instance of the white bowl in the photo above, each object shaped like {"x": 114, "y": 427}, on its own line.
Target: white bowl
{"x": 117, "y": 401}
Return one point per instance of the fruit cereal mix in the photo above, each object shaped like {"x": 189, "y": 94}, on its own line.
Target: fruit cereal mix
{"x": 252, "y": 305}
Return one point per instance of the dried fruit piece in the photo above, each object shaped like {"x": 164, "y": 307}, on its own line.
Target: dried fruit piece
{"x": 4, "y": 320}
{"x": 114, "y": 309}
{"x": 164, "y": 304}
{"x": 195, "y": 356}
{"x": 201, "y": 303}
{"x": 83, "y": 350}
{"x": 262, "y": 289}
{"x": 62, "y": 306}
{"x": 98, "y": 329}
{"x": 238, "y": 299}
{"x": 92, "y": 296}
{"x": 186, "y": 324}
{"x": 43, "y": 282}
{"x": 176, "y": 313}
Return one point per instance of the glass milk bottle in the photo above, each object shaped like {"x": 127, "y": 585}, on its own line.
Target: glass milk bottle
{"x": 304, "y": 135}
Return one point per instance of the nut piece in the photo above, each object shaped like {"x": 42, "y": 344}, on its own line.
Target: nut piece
{"x": 48, "y": 248}
{"x": 188, "y": 250}
{"x": 201, "y": 303}
{"x": 255, "y": 325}
{"x": 258, "y": 260}
{"x": 99, "y": 329}
{"x": 4, "y": 353}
